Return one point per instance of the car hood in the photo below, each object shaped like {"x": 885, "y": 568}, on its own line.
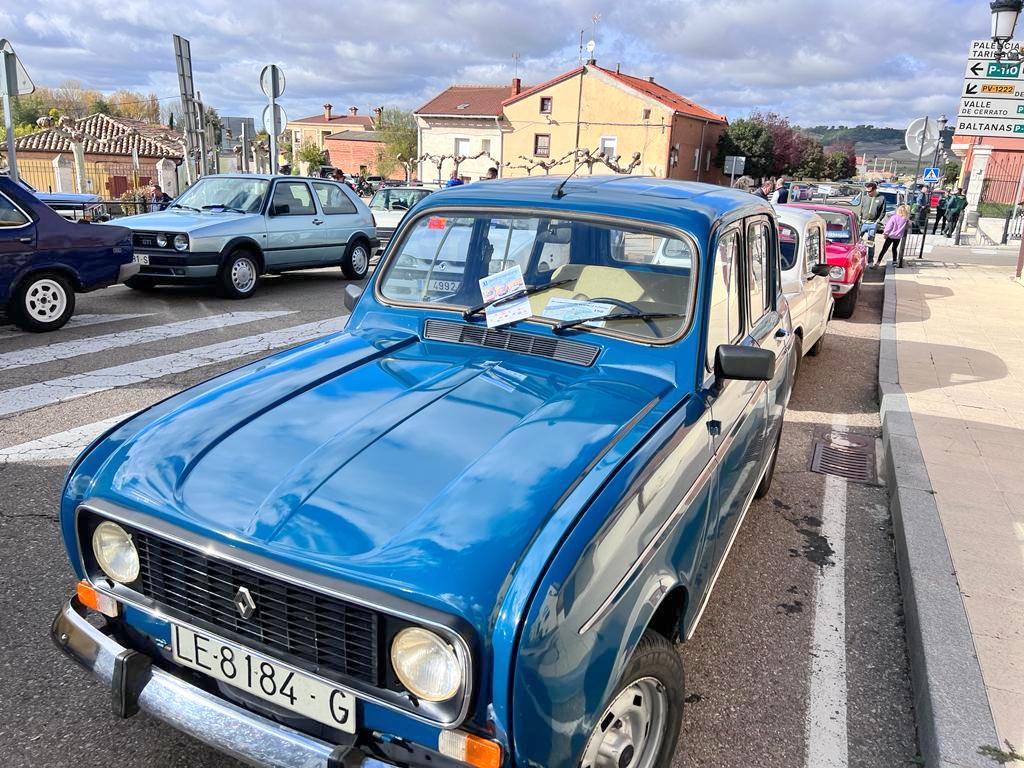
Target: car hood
{"x": 421, "y": 469}
{"x": 67, "y": 197}
{"x": 183, "y": 221}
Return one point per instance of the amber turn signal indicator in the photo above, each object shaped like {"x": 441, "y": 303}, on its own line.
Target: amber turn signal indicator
{"x": 90, "y": 598}
{"x": 477, "y": 751}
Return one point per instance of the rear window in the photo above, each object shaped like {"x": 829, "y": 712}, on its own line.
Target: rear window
{"x": 789, "y": 245}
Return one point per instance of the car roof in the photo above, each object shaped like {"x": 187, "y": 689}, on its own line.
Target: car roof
{"x": 265, "y": 177}
{"x": 404, "y": 186}
{"x": 797, "y": 218}
{"x": 689, "y": 205}
{"x": 820, "y": 207}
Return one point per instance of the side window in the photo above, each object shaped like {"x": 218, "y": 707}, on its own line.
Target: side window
{"x": 294, "y": 194}
{"x": 10, "y": 216}
{"x": 813, "y": 247}
{"x": 724, "y": 324}
{"x": 758, "y": 243}
{"x": 333, "y": 199}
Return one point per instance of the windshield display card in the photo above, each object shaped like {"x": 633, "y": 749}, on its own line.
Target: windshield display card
{"x": 571, "y": 309}
{"x": 505, "y": 283}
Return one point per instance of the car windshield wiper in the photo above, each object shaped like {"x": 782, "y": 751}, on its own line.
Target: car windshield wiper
{"x": 225, "y": 207}
{"x": 186, "y": 207}
{"x": 566, "y": 324}
{"x": 527, "y": 291}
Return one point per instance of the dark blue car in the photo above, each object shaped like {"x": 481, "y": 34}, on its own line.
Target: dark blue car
{"x": 45, "y": 259}
{"x": 469, "y": 529}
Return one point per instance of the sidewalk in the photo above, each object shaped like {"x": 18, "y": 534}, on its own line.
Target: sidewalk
{"x": 957, "y": 334}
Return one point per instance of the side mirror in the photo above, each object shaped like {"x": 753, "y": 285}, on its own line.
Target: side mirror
{"x": 821, "y": 270}
{"x": 280, "y": 209}
{"x": 351, "y": 296}
{"x": 744, "y": 363}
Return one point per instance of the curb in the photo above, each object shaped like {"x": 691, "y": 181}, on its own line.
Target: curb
{"x": 954, "y": 717}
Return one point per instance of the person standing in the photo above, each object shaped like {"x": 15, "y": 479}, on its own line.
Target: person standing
{"x": 492, "y": 173}
{"x": 872, "y": 213}
{"x": 454, "y": 180}
{"x": 158, "y": 199}
{"x": 894, "y": 231}
{"x": 922, "y": 206}
{"x": 766, "y": 189}
{"x": 940, "y": 214}
{"x": 954, "y": 208}
{"x": 781, "y": 194}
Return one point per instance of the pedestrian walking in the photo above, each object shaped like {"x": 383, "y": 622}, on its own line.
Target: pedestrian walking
{"x": 954, "y": 208}
{"x": 872, "y": 213}
{"x": 940, "y": 214}
{"x": 894, "y": 231}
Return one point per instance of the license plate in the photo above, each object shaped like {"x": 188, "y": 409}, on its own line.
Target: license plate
{"x": 447, "y": 286}
{"x": 264, "y": 678}
{"x": 142, "y": 258}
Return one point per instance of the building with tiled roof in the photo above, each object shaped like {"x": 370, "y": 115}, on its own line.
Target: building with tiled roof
{"x": 105, "y": 135}
{"x": 316, "y": 128}
{"x": 617, "y": 114}
{"x": 355, "y": 152}
{"x": 467, "y": 121}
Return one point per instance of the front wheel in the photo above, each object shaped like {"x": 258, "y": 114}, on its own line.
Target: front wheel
{"x": 356, "y": 261}
{"x": 43, "y": 302}
{"x": 766, "y": 481}
{"x": 140, "y": 283}
{"x": 239, "y": 275}
{"x": 846, "y": 305}
{"x": 640, "y": 727}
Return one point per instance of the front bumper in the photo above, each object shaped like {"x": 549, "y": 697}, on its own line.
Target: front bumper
{"x": 841, "y": 289}
{"x": 206, "y": 717}
{"x": 127, "y": 271}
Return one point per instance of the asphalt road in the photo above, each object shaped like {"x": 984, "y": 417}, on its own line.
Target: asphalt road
{"x": 749, "y": 665}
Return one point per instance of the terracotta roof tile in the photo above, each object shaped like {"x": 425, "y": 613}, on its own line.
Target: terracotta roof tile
{"x": 355, "y": 136}
{"x": 468, "y": 100}
{"x": 107, "y": 135}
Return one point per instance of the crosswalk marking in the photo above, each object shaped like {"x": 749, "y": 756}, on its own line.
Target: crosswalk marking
{"x": 77, "y": 321}
{"x": 77, "y": 385}
{"x": 63, "y": 350}
{"x": 62, "y": 445}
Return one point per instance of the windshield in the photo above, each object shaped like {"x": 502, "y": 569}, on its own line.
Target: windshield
{"x": 606, "y": 268}
{"x": 837, "y": 226}
{"x": 788, "y": 245}
{"x": 397, "y": 199}
{"x": 244, "y": 195}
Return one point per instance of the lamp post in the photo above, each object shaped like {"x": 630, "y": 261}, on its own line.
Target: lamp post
{"x": 943, "y": 121}
{"x": 1004, "y": 21}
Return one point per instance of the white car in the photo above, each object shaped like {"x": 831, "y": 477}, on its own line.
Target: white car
{"x": 389, "y": 206}
{"x": 805, "y": 276}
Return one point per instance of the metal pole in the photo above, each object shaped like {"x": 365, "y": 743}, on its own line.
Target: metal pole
{"x": 917, "y": 170}
{"x": 273, "y": 121}
{"x": 244, "y": 153}
{"x": 9, "y": 77}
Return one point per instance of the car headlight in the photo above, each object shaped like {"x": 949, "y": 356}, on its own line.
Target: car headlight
{"x": 837, "y": 273}
{"x": 426, "y": 664}
{"x": 115, "y": 552}
{"x": 181, "y": 242}
{"x": 161, "y": 241}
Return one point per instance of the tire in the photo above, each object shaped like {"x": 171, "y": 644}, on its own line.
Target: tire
{"x": 239, "y": 275}
{"x": 356, "y": 261}
{"x": 42, "y": 302}
{"x": 846, "y": 305}
{"x": 766, "y": 482}
{"x": 650, "y": 693}
{"x": 816, "y": 348}
{"x": 141, "y": 284}
{"x": 798, "y": 350}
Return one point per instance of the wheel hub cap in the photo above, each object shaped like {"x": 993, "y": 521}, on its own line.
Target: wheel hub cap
{"x": 45, "y": 300}
{"x": 630, "y": 732}
{"x": 243, "y": 274}
{"x": 359, "y": 259}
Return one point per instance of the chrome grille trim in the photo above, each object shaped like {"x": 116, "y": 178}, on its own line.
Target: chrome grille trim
{"x": 565, "y": 351}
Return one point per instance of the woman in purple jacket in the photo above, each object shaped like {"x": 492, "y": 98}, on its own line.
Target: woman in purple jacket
{"x": 894, "y": 231}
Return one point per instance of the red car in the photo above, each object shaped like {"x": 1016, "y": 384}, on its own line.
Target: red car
{"x": 845, "y": 253}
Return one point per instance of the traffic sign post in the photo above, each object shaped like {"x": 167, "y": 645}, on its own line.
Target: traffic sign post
{"x": 14, "y": 81}
{"x": 969, "y": 126}
{"x": 274, "y": 120}
{"x": 931, "y": 175}
{"x": 992, "y": 97}
{"x": 734, "y": 164}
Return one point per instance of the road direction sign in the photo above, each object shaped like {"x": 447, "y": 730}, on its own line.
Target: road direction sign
{"x": 993, "y": 89}
{"x": 922, "y": 136}
{"x": 15, "y": 81}
{"x": 1000, "y": 70}
{"x": 734, "y": 165}
{"x": 980, "y": 126}
{"x": 985, "y": 50}
{"x": 274, "y": 127}
{"x": 990, "y": 108}
{"x": 931, "y": 175}
{"x": 272, "y": 86}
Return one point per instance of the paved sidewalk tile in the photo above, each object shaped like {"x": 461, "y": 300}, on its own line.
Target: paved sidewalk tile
{"x": 960, "y": 332}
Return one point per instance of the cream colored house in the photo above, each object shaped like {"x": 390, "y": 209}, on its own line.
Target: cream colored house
{"x": 617, "y": 114}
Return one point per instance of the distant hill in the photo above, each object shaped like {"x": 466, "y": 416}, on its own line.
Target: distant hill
{"x": 860, "y": 134}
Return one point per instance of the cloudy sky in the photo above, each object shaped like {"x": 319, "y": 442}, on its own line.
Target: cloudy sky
{"x": 880, "y": 62}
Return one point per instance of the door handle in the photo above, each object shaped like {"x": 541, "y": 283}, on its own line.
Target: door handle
{"x": 318, "y": 222}
{"x": 27, "y": 239}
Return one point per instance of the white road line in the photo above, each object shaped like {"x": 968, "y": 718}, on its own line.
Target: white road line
{"x": 827, "y": 745}
{"x": 80, "y": 384}
{"x": 77, "y": 321}
{"x": 62, "y": 445}
{"x": 62, "y": 350}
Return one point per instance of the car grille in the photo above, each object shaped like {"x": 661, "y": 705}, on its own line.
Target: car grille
{"x": 312, "y": 630}
{"x": 146, "y": 240}
{"x": 542, "y": 346}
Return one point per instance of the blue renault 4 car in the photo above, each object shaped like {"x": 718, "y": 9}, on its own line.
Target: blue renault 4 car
{"x": 469, "y": 529}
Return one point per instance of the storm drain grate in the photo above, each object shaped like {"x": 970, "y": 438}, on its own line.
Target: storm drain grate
{"x": 849, "y": 456}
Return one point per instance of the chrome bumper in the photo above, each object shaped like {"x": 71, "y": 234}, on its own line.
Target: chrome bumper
{"x": 841, "y": 289}
{"x": 126, "y": 271}
{"x": 212, "y": 720}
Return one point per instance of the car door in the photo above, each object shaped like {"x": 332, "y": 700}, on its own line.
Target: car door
{"x": 17, "y": 244}
{"x": 738, "y": 407}
{"x": 294, "y": 226}
{"x": 341, "y": 219}
{"x": 816, "y": 290}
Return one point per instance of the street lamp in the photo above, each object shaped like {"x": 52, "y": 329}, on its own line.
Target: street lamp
{"x": 943, "y": 121}
{"x": 1004, "y": 21}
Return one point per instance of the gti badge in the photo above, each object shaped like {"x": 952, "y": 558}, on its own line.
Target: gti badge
{"x": 244, "y": 603}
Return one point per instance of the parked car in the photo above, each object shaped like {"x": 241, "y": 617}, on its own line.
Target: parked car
{"x": 389, "y": 205}
{"x": 805, "y": 276}
{"x": 448, "y": 536}
{"x": 229, "y": 230}
{"x": 45, "y": 259}
{"x": 73, "y": 206}
{"x": 845, "y": 252}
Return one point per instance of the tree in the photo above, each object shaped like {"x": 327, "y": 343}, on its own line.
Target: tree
{"x": 751, "y": 139}
{"x": 812, "y": 159}
{"x": 313, "y": 156}
{"x": 214, "y": 124}
{"x": 950, "y": 172}
{"x": 135, "y": 106}
{"x": 398, "y": 132}
{"x": 787, "y": 142}
{"x": 840, "y": 162}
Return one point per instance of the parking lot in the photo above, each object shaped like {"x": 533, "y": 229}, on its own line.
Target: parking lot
{"x": 805, "y": 617}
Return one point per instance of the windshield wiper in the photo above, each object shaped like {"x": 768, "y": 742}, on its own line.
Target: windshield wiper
{"x": 528, "y": 291}
{"x": 186, "y": 207}
{"x": 225, "y": 207}
{"x": 566, "y": 324}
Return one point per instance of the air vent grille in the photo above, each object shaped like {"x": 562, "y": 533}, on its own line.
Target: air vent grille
{"x": 527, "y": 343}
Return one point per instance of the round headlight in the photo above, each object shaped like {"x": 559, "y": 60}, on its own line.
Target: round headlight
{"x": 426, "y": 664}
{"x": 161, "y": 240}
{"x": 181, "y": 242}
{"x": 837, "y": 273}
{"x": 115, "y": 552}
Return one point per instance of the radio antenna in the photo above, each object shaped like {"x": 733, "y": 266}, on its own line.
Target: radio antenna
{"x": 559, "y": 192}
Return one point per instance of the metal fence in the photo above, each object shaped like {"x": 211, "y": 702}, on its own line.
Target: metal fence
{"x": 108, "y": 180}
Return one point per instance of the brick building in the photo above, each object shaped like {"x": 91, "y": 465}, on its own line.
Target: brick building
{"x": 355, "y": 152}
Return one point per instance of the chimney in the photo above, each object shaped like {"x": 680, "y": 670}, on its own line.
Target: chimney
{"x": 650, "y": 78}
{"x": 327, "y": 111}
{"x": 517, "y": 86}
{"x": 353, "y": 111}
{"x": 618, "y": 68}
{"x": 377, "y": 114}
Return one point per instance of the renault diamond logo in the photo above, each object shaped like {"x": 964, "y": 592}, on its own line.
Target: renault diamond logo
{"x": 244, "y": 603}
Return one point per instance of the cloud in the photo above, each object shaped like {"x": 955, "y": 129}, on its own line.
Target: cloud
{"x": 816, "y": 61}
